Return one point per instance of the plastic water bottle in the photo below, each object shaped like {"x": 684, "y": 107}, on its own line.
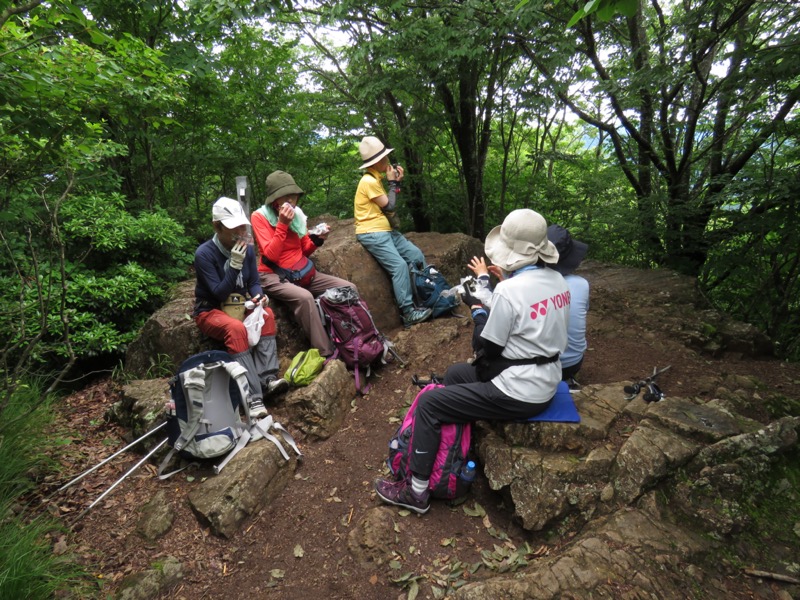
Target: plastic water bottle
{"x": 468, "y": 472}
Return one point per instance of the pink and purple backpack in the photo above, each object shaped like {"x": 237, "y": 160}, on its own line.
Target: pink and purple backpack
{"x": 451, "y": 457}
{"x": 356, "y": 340}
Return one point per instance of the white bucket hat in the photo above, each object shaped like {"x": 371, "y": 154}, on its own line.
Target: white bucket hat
{"x": 229, "y": 212}
{"x": 372, "y": 150}
{"x": 520, "y": 241}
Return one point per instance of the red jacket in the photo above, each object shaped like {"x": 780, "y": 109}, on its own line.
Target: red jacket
{"x": 280, "y": 244}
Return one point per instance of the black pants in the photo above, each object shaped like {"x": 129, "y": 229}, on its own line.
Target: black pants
{"x": 464, "y": 399}
{"x": 568, "y": 373}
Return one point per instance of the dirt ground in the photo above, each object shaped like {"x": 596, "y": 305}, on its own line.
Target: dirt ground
{"x": 296, "y": 548}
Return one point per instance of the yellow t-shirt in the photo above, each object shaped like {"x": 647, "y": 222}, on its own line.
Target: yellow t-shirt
{"x": 368, "y": 215}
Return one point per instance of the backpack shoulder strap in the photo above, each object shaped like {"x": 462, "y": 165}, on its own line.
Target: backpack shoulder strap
{"x": 239, "y": 374}
{"x": 194, "y": 383}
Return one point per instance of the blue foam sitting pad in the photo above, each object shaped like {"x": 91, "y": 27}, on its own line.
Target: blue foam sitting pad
{"x": 562, "y": 408}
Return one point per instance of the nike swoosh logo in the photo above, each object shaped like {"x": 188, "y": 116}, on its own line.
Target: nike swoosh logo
{"x": 418, "y": 452}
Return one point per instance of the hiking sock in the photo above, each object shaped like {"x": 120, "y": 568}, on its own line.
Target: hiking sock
{"x": 419, "y": 486}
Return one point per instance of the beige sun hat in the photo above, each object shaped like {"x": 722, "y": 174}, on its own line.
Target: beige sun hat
{"x": 280, "y": 183}
{"x": 520, "y": 241}
{"x": 372, "y": 150}
{"x": 229, "y": 212}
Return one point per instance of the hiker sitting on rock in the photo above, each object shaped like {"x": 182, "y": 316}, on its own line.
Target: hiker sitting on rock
{"x": 570, "y": 254}
{"x": 517, "y": 344}
{"x": 286, "y": 272}
{"x": 373, "y": 208}
{"x": 226, "y": 267}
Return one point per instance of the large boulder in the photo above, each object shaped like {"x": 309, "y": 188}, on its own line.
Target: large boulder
{"x": 170, "y": 335}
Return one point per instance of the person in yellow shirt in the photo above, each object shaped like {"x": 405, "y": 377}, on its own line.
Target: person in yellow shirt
{"x": 373, "y": 209}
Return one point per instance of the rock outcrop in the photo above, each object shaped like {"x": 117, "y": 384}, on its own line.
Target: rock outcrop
{"x": 650, "y": 488}
{"x": 170, "y": 335}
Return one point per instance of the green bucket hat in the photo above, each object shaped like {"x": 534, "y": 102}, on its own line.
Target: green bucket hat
{"x": 280, "y": 183}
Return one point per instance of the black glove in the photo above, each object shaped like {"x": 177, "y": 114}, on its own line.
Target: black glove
{"x": 468, "y": 299}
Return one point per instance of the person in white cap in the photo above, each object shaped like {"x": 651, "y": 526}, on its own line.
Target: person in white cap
{"x": 373, "y": 207}
{"x": 226, "y": 265}
{"x": 285, "y": 245}
{"x": 517, "y": 344}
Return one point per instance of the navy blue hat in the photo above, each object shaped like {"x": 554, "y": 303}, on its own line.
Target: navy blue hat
{"x": 570, "y": 251}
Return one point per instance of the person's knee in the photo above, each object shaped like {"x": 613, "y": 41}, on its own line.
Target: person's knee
{"x": 303, "y": 299}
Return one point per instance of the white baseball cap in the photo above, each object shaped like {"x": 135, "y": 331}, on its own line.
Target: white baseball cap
{"x": 229, "y": 212}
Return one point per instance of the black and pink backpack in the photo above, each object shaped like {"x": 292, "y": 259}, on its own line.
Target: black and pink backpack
{"x": 446, "y": 481}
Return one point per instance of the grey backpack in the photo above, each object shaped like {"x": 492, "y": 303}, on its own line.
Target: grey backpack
{"x": 204, "y": 418}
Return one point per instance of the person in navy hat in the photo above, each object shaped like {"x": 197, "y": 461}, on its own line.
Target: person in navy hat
{"x": 571, "y": 253}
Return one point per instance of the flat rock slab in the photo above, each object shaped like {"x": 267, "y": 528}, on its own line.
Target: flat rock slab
{"x": 697, "y": 421}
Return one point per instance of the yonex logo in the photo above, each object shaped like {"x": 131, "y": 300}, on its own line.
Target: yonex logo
{"x": 558, "y": 301}
{"x": 540, "y": 308}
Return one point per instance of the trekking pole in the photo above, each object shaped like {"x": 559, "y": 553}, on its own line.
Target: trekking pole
{"x": 394, "y": 353}
{"x": 653, "y": 394}
{"x": 97, "y": 466}
{"x": 121, "y": 479}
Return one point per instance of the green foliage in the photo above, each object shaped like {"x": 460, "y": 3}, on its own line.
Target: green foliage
{"x": 753, "y": 270}
{"x": 28, "y": 568}
{"x": 605, "y": 9}
{"x": 123, "y": 121}
{"x": 81, "y": 269}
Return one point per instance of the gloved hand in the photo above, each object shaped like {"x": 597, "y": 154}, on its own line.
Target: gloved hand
{"x": 468, "y": 299}
{"x": 238, "y": 252}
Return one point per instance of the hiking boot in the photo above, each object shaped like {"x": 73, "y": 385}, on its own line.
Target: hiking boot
{"x": 400, "y": 493}
{"x": 257, "y": 409}
{"x": 416, "y": 315}
{"x": 276, "y": 386}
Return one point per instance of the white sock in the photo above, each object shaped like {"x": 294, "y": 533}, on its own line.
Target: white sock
{"x": 419, "y": 486}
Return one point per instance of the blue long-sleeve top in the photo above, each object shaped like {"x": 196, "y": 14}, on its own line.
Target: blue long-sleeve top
{"x": 215, "y": 283}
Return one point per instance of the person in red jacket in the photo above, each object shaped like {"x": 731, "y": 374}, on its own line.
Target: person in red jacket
{"x": 286, "y": 272}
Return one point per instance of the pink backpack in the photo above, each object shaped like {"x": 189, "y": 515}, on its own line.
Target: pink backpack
{"x": 445, "y": 481}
